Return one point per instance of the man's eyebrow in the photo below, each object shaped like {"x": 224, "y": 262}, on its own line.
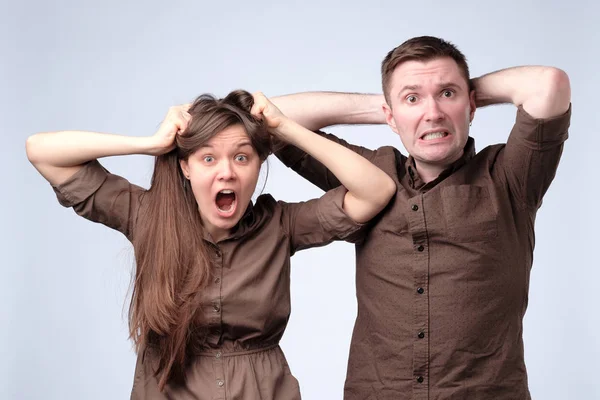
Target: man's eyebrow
{"x": 410, "y": 87}
{"x": 439, "y": 85}
{"x": 449, "y": 85}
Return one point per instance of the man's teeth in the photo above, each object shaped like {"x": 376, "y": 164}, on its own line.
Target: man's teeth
{"x": 434, "y": 135}
{"x": 226, "y": 191}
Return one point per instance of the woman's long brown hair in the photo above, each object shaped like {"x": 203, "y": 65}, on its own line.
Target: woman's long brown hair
{"x": 172, "y": 260}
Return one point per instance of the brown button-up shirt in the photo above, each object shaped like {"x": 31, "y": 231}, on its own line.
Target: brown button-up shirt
{"x": 442, "y": 278}
{"x": 247, "y": 303}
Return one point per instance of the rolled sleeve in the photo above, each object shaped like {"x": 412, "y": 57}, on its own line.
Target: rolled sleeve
{"x": 529, "y": 161}
{"x": 334, "y": 219}
{"x": 81, "y": 185}
{"x": 102, "y": 197}
{"x": 540, "y": 134}
{"x": 318, "y": 222}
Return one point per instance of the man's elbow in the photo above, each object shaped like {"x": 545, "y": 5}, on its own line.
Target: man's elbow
{"x": 558, "y": 90}
{"x": 550, "y": 96}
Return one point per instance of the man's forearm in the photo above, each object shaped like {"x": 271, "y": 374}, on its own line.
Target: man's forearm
{"x": 316, "y": 110}
{"x": 543, "y": 92}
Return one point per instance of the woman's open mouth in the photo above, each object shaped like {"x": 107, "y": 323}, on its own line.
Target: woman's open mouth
{"x": 226, "y": 202}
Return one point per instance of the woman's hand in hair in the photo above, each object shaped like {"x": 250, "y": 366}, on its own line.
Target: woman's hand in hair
{"x": 175, "y": 122}
{"x": 268, "y": 112}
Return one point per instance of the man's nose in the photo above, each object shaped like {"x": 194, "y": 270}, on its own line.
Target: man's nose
{"x": 434, "y": 111}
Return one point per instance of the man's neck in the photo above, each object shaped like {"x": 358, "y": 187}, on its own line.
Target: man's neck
{"x": 431, "y": 171}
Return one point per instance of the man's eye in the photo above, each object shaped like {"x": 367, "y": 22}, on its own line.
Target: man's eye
{"x": 411, "y": 99}
{"x": 208, "y": 159}
{"x": 241, "y": 158}
{"x": 448, "y": 93}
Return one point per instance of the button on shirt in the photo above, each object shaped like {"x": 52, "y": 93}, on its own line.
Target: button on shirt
{"x": 443, "y": 275}
{"x": 247, "y": 303}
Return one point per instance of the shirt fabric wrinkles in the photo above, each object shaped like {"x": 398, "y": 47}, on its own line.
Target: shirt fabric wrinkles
{"x": 442, "y": 276}
{"x": 247, "y": 302}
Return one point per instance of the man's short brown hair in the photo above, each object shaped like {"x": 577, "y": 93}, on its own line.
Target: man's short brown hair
{"x": 422, "y": 48}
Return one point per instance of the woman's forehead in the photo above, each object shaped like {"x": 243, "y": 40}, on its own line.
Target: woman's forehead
{"x": 232, "y": 137}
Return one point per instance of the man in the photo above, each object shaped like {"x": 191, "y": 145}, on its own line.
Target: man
{"x": 443, "y": 276}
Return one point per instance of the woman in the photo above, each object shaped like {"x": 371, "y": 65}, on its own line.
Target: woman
{"x": 211, "y": 293}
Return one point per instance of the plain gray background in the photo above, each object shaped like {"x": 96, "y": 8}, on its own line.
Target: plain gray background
{"x": 117, "y": 67}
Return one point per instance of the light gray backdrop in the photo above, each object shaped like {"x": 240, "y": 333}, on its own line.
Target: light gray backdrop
{"x": 117, "y": 66}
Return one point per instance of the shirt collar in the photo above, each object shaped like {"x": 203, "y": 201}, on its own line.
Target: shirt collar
{"x": 418, "y": 184}
{"x": 240, "y": 229}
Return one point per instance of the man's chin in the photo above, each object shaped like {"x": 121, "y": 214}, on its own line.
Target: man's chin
{"x": 433, "y": 158}
{"x": 443, "y": 155}
{"x": 438, "y": 160}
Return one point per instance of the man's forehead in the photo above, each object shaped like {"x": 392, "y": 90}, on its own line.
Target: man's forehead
{"x": 438, "y": 72}
{"x": 435, "y": 67}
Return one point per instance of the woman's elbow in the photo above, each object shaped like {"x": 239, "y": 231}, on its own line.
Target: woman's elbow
{"x": 32, "y": 148}
{"x": 387, "y": 191}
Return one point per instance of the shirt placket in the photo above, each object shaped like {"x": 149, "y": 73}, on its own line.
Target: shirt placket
{"x": 219, "y": 369}
{"x": 216, "y": 319}
{"x": 214, "y": 296}
{"x": 418, "y": 229}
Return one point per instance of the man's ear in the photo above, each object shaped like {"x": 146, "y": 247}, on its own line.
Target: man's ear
{"x": 389, "y": 117}
{"x": 473, "y": 105}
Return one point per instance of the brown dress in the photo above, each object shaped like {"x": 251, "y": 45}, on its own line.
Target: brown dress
{"x": 247, "y": 304}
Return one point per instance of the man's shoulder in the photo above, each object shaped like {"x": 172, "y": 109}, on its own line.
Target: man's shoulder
{"x": 488, "y": 156}
{"x": 386, "y": 151}
{"x": 489, "y": 152}
{"x": 387, "y": 158}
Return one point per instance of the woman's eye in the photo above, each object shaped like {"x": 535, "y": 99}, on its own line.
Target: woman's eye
{"x": 411, "y": 99}
{"x": 208, "y": 159}
{"x": 241, "y": 158}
